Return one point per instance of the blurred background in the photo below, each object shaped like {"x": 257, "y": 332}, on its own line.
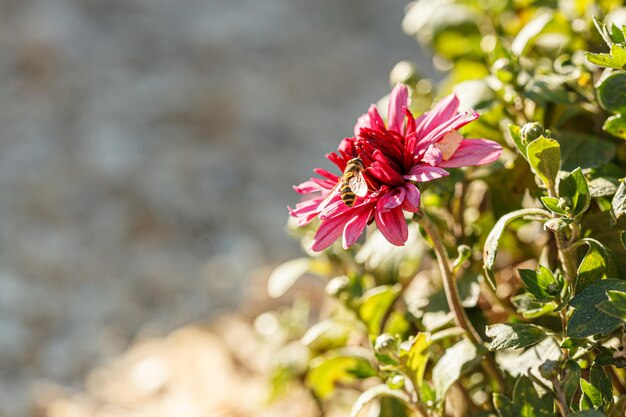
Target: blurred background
{"x": 147, "y": 153}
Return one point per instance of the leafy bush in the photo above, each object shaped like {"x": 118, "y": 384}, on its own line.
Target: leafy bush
{"x": 528, "y": 319}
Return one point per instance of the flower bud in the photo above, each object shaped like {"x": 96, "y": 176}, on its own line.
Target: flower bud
{"x": 337, "y": 286}
{"x": 503, "y": 69}
{"x": 385, "y": 344}
{"x": 549, "y": 369}
{"x": 530, "y": 132}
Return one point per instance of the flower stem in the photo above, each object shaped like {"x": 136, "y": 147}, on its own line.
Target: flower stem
{"x": 453, "y": 298}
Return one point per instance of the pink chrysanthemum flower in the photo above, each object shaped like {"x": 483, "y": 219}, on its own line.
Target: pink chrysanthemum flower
{"x": 395, "y": 157}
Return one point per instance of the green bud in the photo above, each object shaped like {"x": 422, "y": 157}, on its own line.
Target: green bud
{"x": 549, "y": 369}
{"x": 385, "y": 344}
{"x": 504, "y": 70}
{"x": 565, "y": 203}
{"x": 396, "y": 382}
{"x": 530, "y": 132}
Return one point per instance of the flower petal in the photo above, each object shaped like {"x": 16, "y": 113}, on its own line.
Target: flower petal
{"x": 391, "y": 200}
{"x": 305, "y": 211}
{"x": 393, "y": 226}
{"x": 354, "y": 228}
{"x": 433, "y": 156}
{"x": 329, "y": 231}
{"x": 441, "y": 113}
{"x": 473, "y": 152}
{"x": 438, "y": 132}
{"x": 395, "y": 114}
{"x": 412, "y": 197}
{"x": 425, "y": 173}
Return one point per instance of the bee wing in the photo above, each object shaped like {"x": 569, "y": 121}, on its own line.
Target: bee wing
{"x": 357, "y": 184}
{"x": 329, "y": 197}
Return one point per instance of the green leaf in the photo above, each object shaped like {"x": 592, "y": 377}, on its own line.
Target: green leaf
{"x": 605, "y": 358}
{"x": 375, "y": 304}
{"x": 285, "y": 275}
{"x": 337, "y": 366}
{"x": 544, "y": 156}
{"x": 574, "y": 187}
{"x": 491, "y": 244}
{"x": 526, "y": 401}
{"x": 552, "y": 204}
{"x": 570, "y": 380}
{"x": 504, "y": 406}
{"x": 327, "y": 335}
{"x": 592, "y": 393}
{"x": 533, "y": 405}
{"x": 615, "y": 306}
{"x": 584, "y": 150}
{"x": 458, "y": 359}
{"x": 618, "y": 204}
{"x": 602, "y": 381}
{"x": 593, "y": 266}
{"x": 587, "y": 413}
{"x": 616, "y": 126}
{"x": 514, "y": 133}
{"x": 541, "y": 283}
{"x": 414, "y": 356}
{"x": 515, "y": 335}
{"x": 587, "y": 320}
{"x": 377, "y": 392}
{"x": 612, "y": 92}
{"x": 602, "y": 187}
{"x": 616, "y": 58}
{"x": 529, "y": 32}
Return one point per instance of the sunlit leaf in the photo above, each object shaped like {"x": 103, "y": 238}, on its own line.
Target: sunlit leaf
{"x": 515, "y": 335}
{"x": 616, "y": 126}
{"x": 532, "y": 29}
{"x": 377, "y": 392}
{"x": 493, "y": 239}
{"x": 616, "y": 58}
{"x": 593, "y": 266}
{"x": 414, "y": 356}
{"x": 618, "y": 205}
{"x": 574, "y": 187}
{"x": 286, "y": 274}
{"x": 544, "y": 156}
{"x": 457, "y": 359}
{"x": 341, "y": 365}
{"x": 375, "y": 304}
{"x": 327, "y": 334}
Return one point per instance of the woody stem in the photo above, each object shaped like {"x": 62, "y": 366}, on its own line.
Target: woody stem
{"x": 453, "y": 298}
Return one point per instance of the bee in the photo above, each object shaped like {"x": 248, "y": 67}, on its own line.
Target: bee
{"x": 351, "y": 184}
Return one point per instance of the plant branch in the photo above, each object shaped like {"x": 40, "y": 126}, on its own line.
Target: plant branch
{"x": 452, "y": 296}
{"x": 567, "y": 262}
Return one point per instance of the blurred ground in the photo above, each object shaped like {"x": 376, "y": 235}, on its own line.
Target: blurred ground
{"x": 147, "y": 153}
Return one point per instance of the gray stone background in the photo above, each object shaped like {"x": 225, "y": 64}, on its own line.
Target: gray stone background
{"x": 147, "y": 153}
